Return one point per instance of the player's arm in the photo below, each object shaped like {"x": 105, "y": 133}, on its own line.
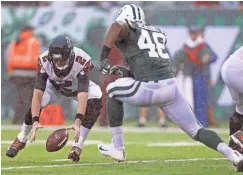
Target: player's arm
{"x": 40, "y": 85}
{"x": 116, "y": 32}
{"x": 82, "y": 96}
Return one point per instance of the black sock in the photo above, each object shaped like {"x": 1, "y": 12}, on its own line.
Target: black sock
{"x": 208, "y": 138}
{"x": 115, "y": 112}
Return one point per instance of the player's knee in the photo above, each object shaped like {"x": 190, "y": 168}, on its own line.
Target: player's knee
{"x": 109, "y": 89}
{"x": 28, "y": 117}
{"x": 93, "y": 110}
{"x": 197, "y": 134}
{"x": 193, "y": 132}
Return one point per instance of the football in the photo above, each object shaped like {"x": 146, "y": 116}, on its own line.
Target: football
{"x": 57, "y": 140}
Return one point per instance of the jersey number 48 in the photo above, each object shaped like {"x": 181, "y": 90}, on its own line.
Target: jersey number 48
{"x": 156, "y": 47}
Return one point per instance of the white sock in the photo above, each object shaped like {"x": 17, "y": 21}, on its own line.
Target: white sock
{"x": 162, "y": 121}
{"x": 225, "y": 150}
{"x": 117, "y": 137}
{"x": 23, "y": 135}
{"x": 83, "y": 135}
{"x": 142, "y": 120}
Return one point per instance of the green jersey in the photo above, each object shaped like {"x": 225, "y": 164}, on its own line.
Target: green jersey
{"x": 145, "y": 54}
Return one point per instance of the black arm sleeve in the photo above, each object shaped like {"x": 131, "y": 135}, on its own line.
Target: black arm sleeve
{"x": 83, "y": 83}
{"x": 40, "y": 81}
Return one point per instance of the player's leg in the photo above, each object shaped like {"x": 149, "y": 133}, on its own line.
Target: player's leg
{"x": 121, "y": 87}
{"x": 50, "y": 96}
{"x": 94, "y": 106}
{"x": 116, "y": 149}
{"x": 143, "y": 114}
{"x": 181, "y": 113}
{"x": 162, "y": 118}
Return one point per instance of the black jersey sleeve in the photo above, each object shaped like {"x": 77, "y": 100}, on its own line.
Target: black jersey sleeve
{"x": 83, "y": 82}
{"x": 40, "y": 81}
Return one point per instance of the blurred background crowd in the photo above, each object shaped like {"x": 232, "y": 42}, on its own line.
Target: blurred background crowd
{"x": 200, "y": 37}
{"x": 143, "y": 4}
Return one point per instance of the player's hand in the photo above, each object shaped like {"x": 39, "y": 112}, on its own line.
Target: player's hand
{"x": 120, "y": 70}
{"x": 105, "y": 66}
{"x": 76, "y": 129}
{"x": 35, "y": 127}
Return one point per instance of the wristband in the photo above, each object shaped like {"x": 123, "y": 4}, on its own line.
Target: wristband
{"x": 35, "y": 118}
{"x": 79, "y": 116}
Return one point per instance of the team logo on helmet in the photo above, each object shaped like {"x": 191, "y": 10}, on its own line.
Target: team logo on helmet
{"x": 131, "y": 13}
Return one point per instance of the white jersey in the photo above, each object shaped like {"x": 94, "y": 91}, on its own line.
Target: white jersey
{"x": 68, "y": 84}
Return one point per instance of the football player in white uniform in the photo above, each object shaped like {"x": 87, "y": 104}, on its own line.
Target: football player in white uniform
{"x": 63, "y": 72}
{"x": 232, "y": 74}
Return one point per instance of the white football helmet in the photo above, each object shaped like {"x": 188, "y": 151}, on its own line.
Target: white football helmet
{"x": 131, "y": 13}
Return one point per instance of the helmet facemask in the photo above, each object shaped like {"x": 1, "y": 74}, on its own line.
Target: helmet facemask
{"x": 60, "y": 61}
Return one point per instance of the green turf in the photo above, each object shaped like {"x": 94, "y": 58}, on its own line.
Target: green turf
{"x": 36, "y": 155}
{"x": 150, "y": 123}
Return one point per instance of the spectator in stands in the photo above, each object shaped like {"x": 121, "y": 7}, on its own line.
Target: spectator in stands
{"x": 143, "y": 115}
{"x": 22, "y": 67}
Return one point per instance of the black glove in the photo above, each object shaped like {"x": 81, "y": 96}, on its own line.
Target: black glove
{"x": 105, "y": 66}
{"x": 120, "y": 70}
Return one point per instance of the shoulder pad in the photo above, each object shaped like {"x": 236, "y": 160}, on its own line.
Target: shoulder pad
{"x": 82, "y": 60}
{"x": 44, "y": 57}
{"x": 44, "y": 62}
{"x": 80, "y": 53}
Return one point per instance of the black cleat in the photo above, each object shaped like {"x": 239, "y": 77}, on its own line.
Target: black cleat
{"x": 141, "y": 125}
{"x": 13, "y": 149}
{"x": 74, "y": 154}
{"x": 164, "y": 125}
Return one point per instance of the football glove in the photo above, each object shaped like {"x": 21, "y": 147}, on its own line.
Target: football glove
{"x": 105, "y": 66}
{"x": 120, "y": 70}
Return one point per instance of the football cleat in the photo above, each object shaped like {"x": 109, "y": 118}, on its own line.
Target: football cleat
{"x": 164, "y": 125}
{"x": 141, "y": 125}
{"x": 237, "y": 161}
{"x": 236, "y": 141}
{"x": 109, "y": 150}
{"x": 74, "y": 154}
{"x": 13, "y": 149}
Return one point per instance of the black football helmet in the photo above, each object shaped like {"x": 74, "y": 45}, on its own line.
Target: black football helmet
{"x": 61, "y": 55}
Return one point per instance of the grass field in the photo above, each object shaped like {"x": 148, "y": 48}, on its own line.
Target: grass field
{"x": 149, "y": 151}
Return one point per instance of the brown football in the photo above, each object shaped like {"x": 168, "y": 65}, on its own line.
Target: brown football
{"x": 57, "y": 140}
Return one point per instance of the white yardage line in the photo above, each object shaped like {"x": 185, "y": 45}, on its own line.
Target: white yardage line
{"x": 194, "y": 159}
{"x": 126, "y": 129}
{"x": 172, "y": 144}
{"x": 95, "y": 142}
{"x": 110, "y": 163}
